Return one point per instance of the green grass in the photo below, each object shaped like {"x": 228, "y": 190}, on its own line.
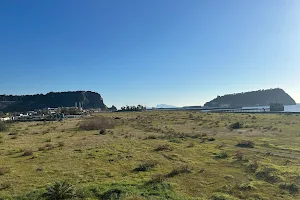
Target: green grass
{"x": 155, "y": 155}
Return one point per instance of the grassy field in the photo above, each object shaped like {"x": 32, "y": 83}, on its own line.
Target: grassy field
{"x": 155, "y": 155}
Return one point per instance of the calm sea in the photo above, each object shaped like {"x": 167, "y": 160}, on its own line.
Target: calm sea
{"x": 291, "y": 108}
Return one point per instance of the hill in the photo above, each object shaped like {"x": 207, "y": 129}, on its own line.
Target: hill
{"x": 20, "y": 103}
{"x": 253, "y": 98}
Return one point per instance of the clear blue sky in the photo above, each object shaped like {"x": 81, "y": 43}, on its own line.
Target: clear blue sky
{"x": 179, "y": 52}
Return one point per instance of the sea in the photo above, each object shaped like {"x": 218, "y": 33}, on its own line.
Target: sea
{"x": 289, "y": 108}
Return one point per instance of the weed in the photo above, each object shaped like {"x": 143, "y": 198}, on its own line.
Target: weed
{"x": 268, "y": 174}
{"x": 59, "y": 191}
{"x": 157, "y": 178}
{"x": 151, "y": 137}
{"x": 239, "y": 155}
{"x": 145, "y": 166}
{"x": 245, "y": 144}
{"x": 27, "y": 153}
{"x": 175, "y": 140}
{"x": 236, "y": 125}
{"x": 48, "y": 140}
{"x": 5, "y": 185}
{"x": 179, "y": 170}
{"x": 222, "y": 196}
{"x": 163, "y": 147}
{"x": 291, "y": 187}
{"x": 252, "y": 167}
{"x": 61, "y": 144}
{"x": 221, "y": 155}
{"x": 97, "y": 123}
{"x": 102, "y": 132}
{"x": 3, "y": 126}
{"x": 4, "y": 170}
{"x": 190, "y": 145}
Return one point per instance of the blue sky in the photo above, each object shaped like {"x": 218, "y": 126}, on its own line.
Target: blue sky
{"x": 150, "y": 51}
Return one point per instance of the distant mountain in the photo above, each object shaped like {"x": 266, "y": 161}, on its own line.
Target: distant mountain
{"x": 21, "y": 103}
{"x": 165, "y": 106}
{"x": 253, "y": 98}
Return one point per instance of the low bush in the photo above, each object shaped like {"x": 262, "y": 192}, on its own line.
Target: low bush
{"x": 157, "y": 178}
{"x": 145, "y": 166}
{"x": 175, "y": 140}
{"x": 4, "y": 170}
{"x": 291, "y": 187}
{"x": 190, "y": 145}
{"x": 235, "y": 125}
{"x": 102, "y": 132}
{"x": 3, "y": 126}
{"x": 151, "y": 137}
{"x": 163, "y": 147}
{"x": 27, "y": 153}
{"x": 97, "y": 123}
{"x": 61, "y": 144}
{"x": 222, "y": 196}
{"x": 113, "y": 194}
{"x": 268, "y": 174}
{"x": 239, "y": 155}
{"x": 179, "y": 170}
{"x": 5, "y": 185}
{"x": 221, "y": 155}
{"x": 245, "y": 144}
{"x": 252, "y": 167}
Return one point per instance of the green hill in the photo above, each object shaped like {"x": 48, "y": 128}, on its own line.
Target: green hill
{"x": 19, "y": 103}
{"x": 253, "y": 98}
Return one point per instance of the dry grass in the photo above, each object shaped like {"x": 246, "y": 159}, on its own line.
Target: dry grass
{"x": 97, "y": 123}
{"x": 106, "y": 162}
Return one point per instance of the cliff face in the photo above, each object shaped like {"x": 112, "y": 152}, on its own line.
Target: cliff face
{"x": 253, "y": 98}
{"x": 12, "y": 103}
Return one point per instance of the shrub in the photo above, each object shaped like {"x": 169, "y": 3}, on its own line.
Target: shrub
{"x": 179, "y": 170}
{"x": 291, "y": 187}
{"x": 113, "y": 194}
{"x": 245, "y": 144}
{"x": 157, "y": 178}
{"x": 190, "y": 145}
{"x": 97, "y": 123}
{"x": 59, "y": 191}
{"x": 14, "y": 137}
{"x": 222, "y": 196}
{"x": 5, "y": 185}
{"x": 145, "y": 166}
{"x": 235, "y": 125}
{"x": 239, "y": 155}
{"x": 3, "y": 126}
{"x": 151, "y": 137}
{"x": 102, "y": 132}
{"x": 48, "y": 140}
{"x": 163, "y": 147}
{"x": 49, "y": 146}
{"x": 221, "y": 155}
{"x": 269, "y": 175}
{"x": 252, "y": 167}
{"x": 175, "y": 140}
{"x": 4, "y": 170}
{"x": 61, "y": 144}
{"x": 27, "y": 153}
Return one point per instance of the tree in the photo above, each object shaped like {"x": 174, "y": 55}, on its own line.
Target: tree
{"x": 113, "y": 108}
